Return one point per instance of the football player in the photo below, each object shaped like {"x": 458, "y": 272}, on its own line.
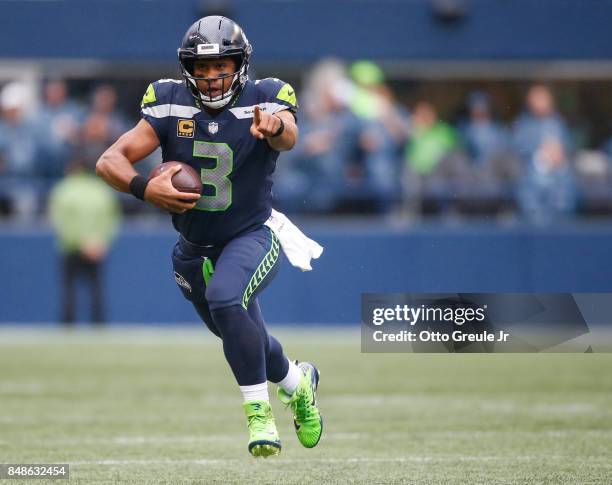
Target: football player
{"x": 231, "y": 130}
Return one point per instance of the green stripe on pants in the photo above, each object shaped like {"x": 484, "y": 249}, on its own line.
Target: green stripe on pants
{"x": 266, "y": 265}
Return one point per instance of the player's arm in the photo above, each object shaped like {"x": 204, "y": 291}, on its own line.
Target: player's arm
{"x": 279, "y": 129}
{"x": 115, "y": 166}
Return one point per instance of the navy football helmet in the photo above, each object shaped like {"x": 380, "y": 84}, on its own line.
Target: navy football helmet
{"x": 214, "y": 37}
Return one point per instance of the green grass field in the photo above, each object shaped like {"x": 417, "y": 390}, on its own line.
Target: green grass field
{"x": 151, "y": 406}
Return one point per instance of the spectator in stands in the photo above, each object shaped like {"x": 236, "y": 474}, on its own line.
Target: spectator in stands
{"x": 19, "y": 149}
{"x": 548, "y": 193}
{"x": 58, "y": 125}
{"x": 433, "y": 161}
{"x": 539, "y": 122}
{"x": 484, "y": 138}
{"x": 366, "y": 100}
{"x": 432, "y": 139}
{"x": 104, "y": 123}
{"x": 85, "y": 215}
{"x": 384, "y": 130}
{"x": 313, "y": 176}
{"x": 542, "y": 140}
{"x": 495, "y": 168}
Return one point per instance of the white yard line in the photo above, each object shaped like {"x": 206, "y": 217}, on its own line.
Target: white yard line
{"x": 175, "y": 334}
{"x": 227, "y": 438}
{"x": 399, "y": 459}
{"x": 17, "y": 387}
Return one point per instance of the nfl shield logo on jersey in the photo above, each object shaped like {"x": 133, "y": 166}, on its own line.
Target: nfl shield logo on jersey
{"x": 213, "y": 127}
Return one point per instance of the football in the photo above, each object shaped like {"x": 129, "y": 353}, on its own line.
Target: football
{"x": 187, "y": 180}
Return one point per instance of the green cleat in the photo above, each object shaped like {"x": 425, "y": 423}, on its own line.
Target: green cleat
{"x": 263, "y": 439}
{"x": 303, "y": 402}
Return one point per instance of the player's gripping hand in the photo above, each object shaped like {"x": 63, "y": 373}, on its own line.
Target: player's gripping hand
{"x": 161, "y": 192}
{"x": 264, "y": 125}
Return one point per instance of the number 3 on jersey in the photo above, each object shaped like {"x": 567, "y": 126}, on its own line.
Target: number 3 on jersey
{"x": 216, "y": 177}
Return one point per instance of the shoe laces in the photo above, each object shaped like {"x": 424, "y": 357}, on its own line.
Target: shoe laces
{"x": 303, "y": 408}
{"x": 258, "y": 422}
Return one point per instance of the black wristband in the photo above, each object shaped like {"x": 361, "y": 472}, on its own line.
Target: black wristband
{"x": 281, "y": 128}
{"x": 138, "y": 185}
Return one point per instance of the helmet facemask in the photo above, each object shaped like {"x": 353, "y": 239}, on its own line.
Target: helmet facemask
{"x": 239, "y": 77}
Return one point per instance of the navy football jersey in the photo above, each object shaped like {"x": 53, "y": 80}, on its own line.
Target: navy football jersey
{"x": 235, "y": 167}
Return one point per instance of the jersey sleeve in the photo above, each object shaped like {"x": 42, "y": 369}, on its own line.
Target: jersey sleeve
{"x": 278, "y": 94}
{"x": 153, "y": 107}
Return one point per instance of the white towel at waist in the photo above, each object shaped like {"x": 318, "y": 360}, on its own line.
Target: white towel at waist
{"x": 298, "y": 248}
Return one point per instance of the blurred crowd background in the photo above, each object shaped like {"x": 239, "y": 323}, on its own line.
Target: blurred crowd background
{"x": 516, "y": 151}
{"x": 379, "y": 137}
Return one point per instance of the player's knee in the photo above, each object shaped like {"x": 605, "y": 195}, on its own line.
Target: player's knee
{"x": 220, "y": 296}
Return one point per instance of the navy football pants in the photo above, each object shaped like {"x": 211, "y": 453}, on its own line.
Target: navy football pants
{"x": 223, "y": 284}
